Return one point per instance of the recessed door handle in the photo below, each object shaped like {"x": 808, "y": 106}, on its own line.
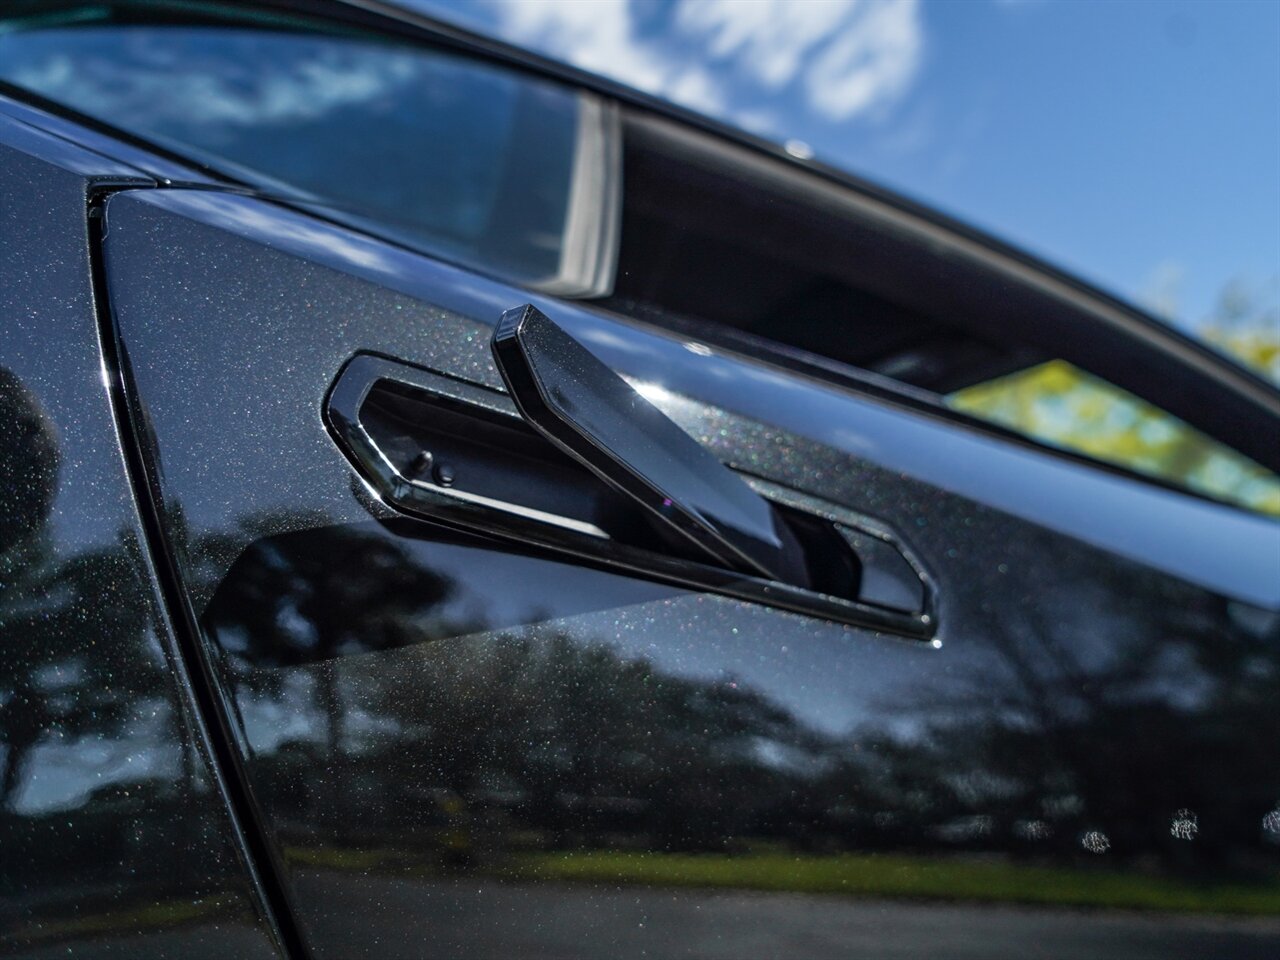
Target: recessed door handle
{"x": 596, "y": 417}
{"x": 551, "y": 465}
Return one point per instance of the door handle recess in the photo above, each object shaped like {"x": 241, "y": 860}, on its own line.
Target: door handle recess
{"x": 574, "y": 460}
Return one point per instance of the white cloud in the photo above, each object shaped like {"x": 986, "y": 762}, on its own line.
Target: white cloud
{"x": 769, "y": 39}
{"x": 601, "y": 36}
{"x": 869, "y": 62}
{"x": 726, "y": 57}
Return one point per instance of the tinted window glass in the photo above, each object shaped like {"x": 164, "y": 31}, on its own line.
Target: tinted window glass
{"x": 433, "y": 150}
{"x": 1065, "y": 407}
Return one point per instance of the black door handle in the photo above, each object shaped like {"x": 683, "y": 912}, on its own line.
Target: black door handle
{"x": 596, "y": 417}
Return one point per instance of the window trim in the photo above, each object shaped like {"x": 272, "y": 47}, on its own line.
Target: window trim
{"x": 593, "y": 220}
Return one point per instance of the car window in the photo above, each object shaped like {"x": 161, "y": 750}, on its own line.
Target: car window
{"x": 443, "y": 153}
{"x": 734, "y": 248}
{"x": 1063, "y": 406}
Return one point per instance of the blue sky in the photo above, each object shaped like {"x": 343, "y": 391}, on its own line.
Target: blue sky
{"x": 1134, "y": 143}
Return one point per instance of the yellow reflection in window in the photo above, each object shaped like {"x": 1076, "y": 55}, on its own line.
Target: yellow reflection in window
{"x": 1061, "y": 405}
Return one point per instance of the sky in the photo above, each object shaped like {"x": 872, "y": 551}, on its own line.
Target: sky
{"x": 1135, "y": 144}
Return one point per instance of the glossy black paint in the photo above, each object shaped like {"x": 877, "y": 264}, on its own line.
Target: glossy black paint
{"x": 115, "y": 839}
{"x": 425, "y": 743}
{"x": 454, "y": 745}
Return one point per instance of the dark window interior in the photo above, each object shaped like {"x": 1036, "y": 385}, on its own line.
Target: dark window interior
{"x": 700, "y": 243}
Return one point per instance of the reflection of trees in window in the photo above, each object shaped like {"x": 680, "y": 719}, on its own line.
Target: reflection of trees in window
{"x": 1063, "y": 406}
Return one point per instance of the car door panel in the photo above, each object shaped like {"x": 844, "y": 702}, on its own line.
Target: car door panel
{"x": 1225, "y": 550}
{"x": 464, "y": 745}
{"x": 116, "y": 838}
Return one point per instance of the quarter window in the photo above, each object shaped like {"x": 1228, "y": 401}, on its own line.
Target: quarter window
{"x": 1061, "y": 405}
{"x": 462, "y": 159}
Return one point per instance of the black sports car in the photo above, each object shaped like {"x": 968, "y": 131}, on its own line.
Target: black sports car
{"x": 451, "y": 505}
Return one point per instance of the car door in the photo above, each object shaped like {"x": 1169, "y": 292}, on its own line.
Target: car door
{"x": 441, "y": 728}
{"x": 465, "y": 744}
{"x": 474, "y": 712}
